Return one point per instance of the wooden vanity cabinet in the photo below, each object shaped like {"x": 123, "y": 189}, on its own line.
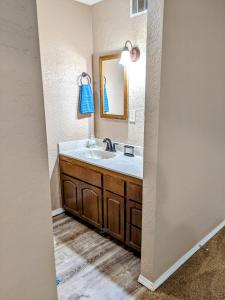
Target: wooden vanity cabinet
{"x": 133, "y": 224}
{"x": 105, "y": 199}
{"x": 70, "y": 190}
{"x": 82, "y": 199}
{"x": 114, "y": 184}
{"x": 91, "y": 204}
{"x": 114, "y": 215}
{"x": 134, "y": 215}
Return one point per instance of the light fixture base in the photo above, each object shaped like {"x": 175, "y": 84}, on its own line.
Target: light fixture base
{"x": 135, "y": 54}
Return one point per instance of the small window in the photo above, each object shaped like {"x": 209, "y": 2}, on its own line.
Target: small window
{"x": 138, "y": 7}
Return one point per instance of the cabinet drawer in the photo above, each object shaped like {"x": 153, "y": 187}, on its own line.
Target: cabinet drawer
{"x": 81, "y": 173}
{"x": 134, "y": 214}
{"x": 113, "y": 184}
{"x": 134, "y": 192}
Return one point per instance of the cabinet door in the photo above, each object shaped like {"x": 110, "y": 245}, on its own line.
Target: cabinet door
{"x": 91, "y": 204}
{"x": 114, "y": 215}
{"x": 133, "y": 225}
{"x": 70, "y": 194}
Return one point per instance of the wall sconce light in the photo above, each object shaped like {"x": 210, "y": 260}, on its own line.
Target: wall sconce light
{"x": 128, "y": 55}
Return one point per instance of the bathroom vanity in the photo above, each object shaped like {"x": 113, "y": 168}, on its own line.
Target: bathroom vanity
{"x": 104, "y": 197}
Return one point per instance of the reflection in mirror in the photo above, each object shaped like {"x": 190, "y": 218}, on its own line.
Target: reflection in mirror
{"x": 114, "y": 88}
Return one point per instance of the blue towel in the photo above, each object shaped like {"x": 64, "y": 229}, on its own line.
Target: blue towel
{"x": 86, "y": 99}
{"x": 57, "y": 281}
{"x": 106, "y": 100}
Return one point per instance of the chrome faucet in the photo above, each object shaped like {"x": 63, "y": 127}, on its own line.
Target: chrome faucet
{"x": 111, "y": 147}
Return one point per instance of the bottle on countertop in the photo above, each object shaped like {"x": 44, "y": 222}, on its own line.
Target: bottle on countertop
{"x": 91, "y": 142}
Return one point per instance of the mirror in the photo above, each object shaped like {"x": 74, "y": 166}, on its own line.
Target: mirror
{"x": 113, "y": 88}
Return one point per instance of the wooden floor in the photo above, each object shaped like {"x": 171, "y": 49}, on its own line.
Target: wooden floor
{"x": 91, "y": 266}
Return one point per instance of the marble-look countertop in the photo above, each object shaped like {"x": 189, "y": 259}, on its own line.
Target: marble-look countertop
{"x": 131, "y": 166}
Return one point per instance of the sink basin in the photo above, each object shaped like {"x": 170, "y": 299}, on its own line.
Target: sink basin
{"x": 98, "y": 154}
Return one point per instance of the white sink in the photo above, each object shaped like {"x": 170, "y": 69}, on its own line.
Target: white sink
{"x": 98, "y": 154}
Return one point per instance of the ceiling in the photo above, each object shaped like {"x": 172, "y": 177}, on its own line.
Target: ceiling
{"x": 89, "y": 2}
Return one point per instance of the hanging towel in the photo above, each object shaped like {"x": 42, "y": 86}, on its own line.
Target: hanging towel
{"x": 106, "y": 100}
{"x": 86, "y": 99}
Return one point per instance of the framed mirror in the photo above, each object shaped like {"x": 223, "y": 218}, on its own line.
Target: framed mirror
{"x": 113, "y": 87}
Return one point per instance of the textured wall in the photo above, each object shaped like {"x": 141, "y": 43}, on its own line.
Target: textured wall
{"x": 187, "y": 199}
{"x": 153, "y": 80}
{"x": 26, "y": 247}
{"x": 65, "y": 29}
{"x": 112, "y": 26}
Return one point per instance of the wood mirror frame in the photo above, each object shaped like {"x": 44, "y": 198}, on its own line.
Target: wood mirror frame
{"x": 102, "y": 59}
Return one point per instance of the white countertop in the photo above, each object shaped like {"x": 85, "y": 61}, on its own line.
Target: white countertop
{"x": 131, "y": 166}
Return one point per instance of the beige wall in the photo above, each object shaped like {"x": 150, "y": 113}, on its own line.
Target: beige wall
{"x": 65, "y": 29}
{"x": 26, "y": 247}
{"x": 112, "y": 26}
{"x": 188, "y": 197}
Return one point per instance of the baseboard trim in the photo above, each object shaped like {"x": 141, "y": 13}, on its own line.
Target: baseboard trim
{"x": 154, "y": 285}
{"x": 57, "y": 212}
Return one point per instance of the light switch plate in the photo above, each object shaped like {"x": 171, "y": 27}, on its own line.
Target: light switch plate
{"x": 132, "y": 116}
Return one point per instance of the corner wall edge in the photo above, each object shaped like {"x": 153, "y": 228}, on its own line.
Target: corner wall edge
{"x": 152, "y": 286}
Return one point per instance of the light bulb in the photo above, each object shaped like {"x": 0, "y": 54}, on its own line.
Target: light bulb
{"x": 125, "y": 57}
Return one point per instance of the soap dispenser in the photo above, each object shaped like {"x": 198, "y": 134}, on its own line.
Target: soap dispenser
{"x": 91, "y": 142}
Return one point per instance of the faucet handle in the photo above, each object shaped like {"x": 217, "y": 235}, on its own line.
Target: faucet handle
{"x": 114, "y": 147}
